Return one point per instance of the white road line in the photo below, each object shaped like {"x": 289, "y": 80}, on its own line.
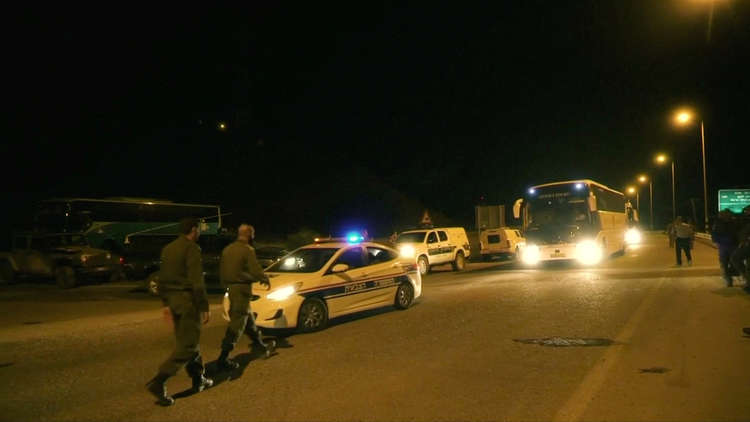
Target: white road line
{"x": 578, "y": 402}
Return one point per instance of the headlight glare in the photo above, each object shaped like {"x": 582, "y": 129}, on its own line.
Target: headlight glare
{"x": 530, "y": 255}
{"x": 283, "y": 293}
{"x": 633, "y": 236}
{"x": 588, "y": 252}
{"x": 407, "y": 251}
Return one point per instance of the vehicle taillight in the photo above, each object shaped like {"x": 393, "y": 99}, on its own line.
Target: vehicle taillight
{"x": 122, "y": 260}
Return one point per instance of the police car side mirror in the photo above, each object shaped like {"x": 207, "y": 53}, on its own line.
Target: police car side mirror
{"x": 339, "y": 268}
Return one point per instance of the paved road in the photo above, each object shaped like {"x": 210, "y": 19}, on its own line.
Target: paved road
{"x": 645, "y": 342}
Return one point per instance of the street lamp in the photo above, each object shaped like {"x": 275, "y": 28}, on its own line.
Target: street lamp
{"x": 632, "y": 190}
{"x": 684, "y": 118}
{"x": 644, "y": 179}
{"x": 662, "y": 159}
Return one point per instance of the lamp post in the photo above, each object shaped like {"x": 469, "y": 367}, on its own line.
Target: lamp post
{"x": 644, "y": 179}
{"x": 683, "y": 118}
{"x": 632, "y": 190}
{"x": 661, "y": 159}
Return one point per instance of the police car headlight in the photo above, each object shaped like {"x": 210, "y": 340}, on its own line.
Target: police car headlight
{"x": 633, "y": 236}
{"x": 530, "y": 255}
{"x": 283, "y": 293}
{"x": 589, "y": 252}
{"x": 407, "y": 251}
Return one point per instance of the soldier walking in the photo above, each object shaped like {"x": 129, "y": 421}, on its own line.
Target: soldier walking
{"x": 238, "y": 269}
{"x": 183, "y": 293}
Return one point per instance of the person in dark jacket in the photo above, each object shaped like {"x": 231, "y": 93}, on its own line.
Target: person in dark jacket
{"x": 742, "y": 252}
{"x": 724, "y": 235}
{"x": 183, "y": 293}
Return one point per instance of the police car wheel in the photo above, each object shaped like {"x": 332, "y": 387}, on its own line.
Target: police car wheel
{"x": 313, "y": 315}
{"x": 404, "y": 296}
{"x": 424, "y": 265}
{"x": 460, "y": 262}
{"x": 65, "y": 277}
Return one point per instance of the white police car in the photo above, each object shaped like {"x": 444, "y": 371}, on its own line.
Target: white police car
{"x": 334, "y": 277}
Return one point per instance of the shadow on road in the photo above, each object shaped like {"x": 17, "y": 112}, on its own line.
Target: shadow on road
{"x": 732, "y": 292}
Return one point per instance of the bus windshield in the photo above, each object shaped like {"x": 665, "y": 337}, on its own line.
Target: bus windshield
{"x": 560, "y": 212}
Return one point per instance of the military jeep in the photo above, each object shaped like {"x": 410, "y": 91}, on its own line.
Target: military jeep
{"x": 66, "y": 257}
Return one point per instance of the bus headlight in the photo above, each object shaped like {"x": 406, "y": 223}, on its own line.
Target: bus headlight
{"x": 407, "y": 251}
{"x": 530, "y": 255}
{"x": 633, "y": 236}
{"x": 588, "y": 252}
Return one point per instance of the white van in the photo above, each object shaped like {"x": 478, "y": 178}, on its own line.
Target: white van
{"x": 503, "y": 241}
{"x": 436, "y": 246}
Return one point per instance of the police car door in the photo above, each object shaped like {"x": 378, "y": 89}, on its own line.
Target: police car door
{"x": 446, "y": 250}
{"x": 383, "y": 277}
{"x": 433, "y": 247}
{"x": 348, "y": 286}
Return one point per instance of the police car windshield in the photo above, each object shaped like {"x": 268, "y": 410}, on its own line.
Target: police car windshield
{"x": 414, "y": 237}
{"x": 307, "y": 260}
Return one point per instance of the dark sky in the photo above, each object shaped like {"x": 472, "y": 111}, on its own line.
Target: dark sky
{"x": 327, "y": 109}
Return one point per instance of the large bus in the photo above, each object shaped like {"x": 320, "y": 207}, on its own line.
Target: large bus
{"x": 108, "y": 222}
{"x": 573, "y": 220}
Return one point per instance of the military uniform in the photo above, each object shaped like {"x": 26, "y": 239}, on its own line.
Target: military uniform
{"x": 238, "y": 269}
{"x": 182, "y": 288}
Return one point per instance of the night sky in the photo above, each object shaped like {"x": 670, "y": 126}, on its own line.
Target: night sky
{"x": 367, "y": 115}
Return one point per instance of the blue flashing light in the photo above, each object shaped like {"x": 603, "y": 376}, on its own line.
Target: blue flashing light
{"x": 532, "y": 191}
{"x": 354, "y": 238}
{"x": 579, "y": 186}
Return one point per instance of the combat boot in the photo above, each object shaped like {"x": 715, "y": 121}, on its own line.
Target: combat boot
{"x": 200, "y": 383}
{"x": 158, "y": 387}
{"x": 225, "y": 363}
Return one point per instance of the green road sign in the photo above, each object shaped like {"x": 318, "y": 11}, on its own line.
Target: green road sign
{"x": 734, "y": 199}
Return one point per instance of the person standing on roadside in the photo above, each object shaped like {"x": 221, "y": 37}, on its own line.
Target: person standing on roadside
{"x": 742, "y": 252}
{"x": 684, "y": 234}
{"x": 724, "y": 236}
{"x": 670, "y": 234}
{"x": 183, "y": 293}
{"x": 238, "y": 269}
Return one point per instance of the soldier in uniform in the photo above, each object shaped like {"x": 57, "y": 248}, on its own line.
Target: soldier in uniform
{"x": 183, "y": 293}
{"x": 238, "y": 269}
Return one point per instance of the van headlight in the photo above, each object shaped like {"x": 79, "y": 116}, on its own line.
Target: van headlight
{"x": 589, "y": 252}
{"x": 407, "y": 251}
{"x": 530, "y": 254}
{"x": 283, "y": 293}
{"x": 633, "y": 236}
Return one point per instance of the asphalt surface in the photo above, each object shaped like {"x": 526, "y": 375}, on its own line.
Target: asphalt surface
{"x": 633, "y": 339}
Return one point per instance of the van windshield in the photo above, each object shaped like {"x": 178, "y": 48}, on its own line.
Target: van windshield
{"x": 413, "y": 237}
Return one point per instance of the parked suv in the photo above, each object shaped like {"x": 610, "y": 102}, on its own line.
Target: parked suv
{"x": 66, "y": 257}
{"x": 443, "y": 245}
{"x": 503, "y": 241}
